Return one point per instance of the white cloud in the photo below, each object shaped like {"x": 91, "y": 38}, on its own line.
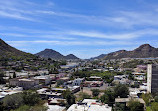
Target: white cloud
{"x": 19, "y": 10}
{"x": 14, "y": 35}
{"x": 133, "y": 18}
{"x": 82, "y": 43}
{"x": 116, "y": 36}
{"x": 16, "y": 10}
{"x": 71, "y": 43}
{"x": 39, "y": 35}
{"x": 103, "y": 35}
{"x": 124, "y": 19}
{"x": 78, "y": 35}
{"x": 15, "y": 16}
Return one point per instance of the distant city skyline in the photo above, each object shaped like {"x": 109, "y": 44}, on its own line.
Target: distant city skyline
{"x": 85, "y": 28}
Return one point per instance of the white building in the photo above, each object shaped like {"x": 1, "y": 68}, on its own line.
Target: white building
{"x": 43, "y": 72}
{"x": 55, "y": 108}
{"x": 139, "y": 76}
{"x": 122, "y": 79}
{"x": 43, "y": 79}
{"x": 95, "y": 78}
{"x": 77, "y": 82}
{"x": 149, "y": 75}
{"x": 143, "y": 87}
{"x": 74, "y": 89}
{"x": 22, "y": 74}
{"x": 119, "y": 77}
{"x": 89, "y": 105}
{"x": 9, "y": 73}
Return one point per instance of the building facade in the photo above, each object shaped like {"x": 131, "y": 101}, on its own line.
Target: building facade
{"x": 45, "y": 80}
{"x": 78, "y": 81}
{"x": 152, "y": 78}
{"x": 25, "y": 83}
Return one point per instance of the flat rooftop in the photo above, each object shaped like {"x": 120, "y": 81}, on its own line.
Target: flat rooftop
{"x": 92, "y": 105}
{"x": 119, "y": 100}
{"x": 76, "y": 107}
{"x": 55, "y": 108}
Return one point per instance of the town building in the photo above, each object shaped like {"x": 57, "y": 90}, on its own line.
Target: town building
{"x": 139, "y": 75}
{"x": 43, "y": 79}
{"x": 126, "y": 100}
{"x": 74, "y": 89}
{"x": 78, "y": 81}
{"x": 55, "y": 108}
{"x": 121, "y": 79}
{"x": 46, "y": 93}
{"x": 25, "y": 83}
{"x": 152, "y": 78}
{"x": 56, "y": 101}
{"x": 93, "y": 83}
{"x": 141, "y": 68}
{"x": 95, "y": 78}
{"x": 43, "y": 72}
{"x": 89, "y": 105}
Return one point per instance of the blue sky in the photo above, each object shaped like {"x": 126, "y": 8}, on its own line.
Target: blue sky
{"x": 86, "y": 28}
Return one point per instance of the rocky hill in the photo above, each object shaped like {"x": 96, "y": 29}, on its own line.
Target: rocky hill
{"x": 50, "y": 53}
{"x": 144, "y": 51}
{"x": 8, "y": 51}
{"x": 98, "y": 57}
{"x": 71, "y": 56}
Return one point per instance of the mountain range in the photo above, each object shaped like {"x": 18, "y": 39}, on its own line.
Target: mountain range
{"x": 98, "y": 57}
{"x": 8, "y": 51}
{"x": 144, "y": 51}
{"x": 50, "y": 53}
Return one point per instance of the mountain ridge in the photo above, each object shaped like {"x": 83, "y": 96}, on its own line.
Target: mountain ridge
{"x": 50, "y": 53}
{"x": 7, "y": 51}
{"x": 143, "y": 51}
{"x": 71, "y": 56}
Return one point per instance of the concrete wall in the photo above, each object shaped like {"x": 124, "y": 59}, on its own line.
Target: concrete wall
{"x": 149, "y": 77}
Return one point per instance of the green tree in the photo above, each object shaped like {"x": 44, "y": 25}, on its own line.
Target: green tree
{"x": 63, "y": 62}
{"x": 39, "y": 107}
{"x": 131, "y": 77}
{"x": 135, "y": 105}
{"x": 120, "y": 107}
{"x": 14, "y": 75}
{"x": 70, "y": 98}
{"x": 154, "y": 106}
{"x": 13, "y": 101}
{"x": 147, "y": 98}
{"x": 108, "y": 97}
{"x": 156, "y": 98}
{"x": 31, "y": 97}
{"x": 2, "y": 81}
{"x": 121, "y": 90}
{"x": 83, "y": 95}
{"x": 82, "y": 74}
{"x": 1, "y": 106}
{"x": 49, "y": 59}
{"x": 95, "y": 92}
{"x": 59, "y": 82}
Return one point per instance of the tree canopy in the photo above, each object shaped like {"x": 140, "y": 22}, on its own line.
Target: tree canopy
{"x": 121, "y": 90}
{"x": 95, "y": 92}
